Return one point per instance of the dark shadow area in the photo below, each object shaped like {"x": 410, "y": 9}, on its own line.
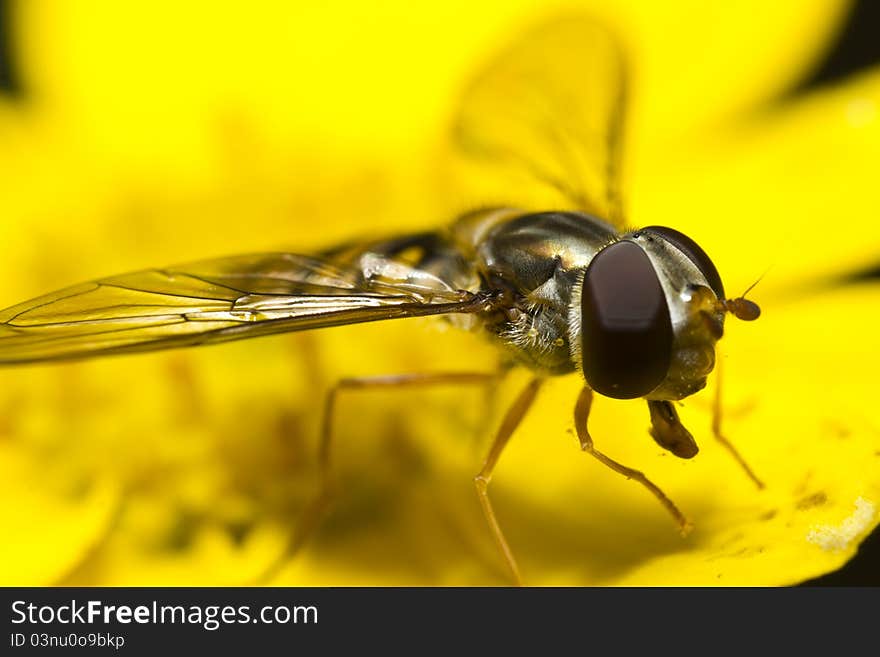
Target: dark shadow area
{"x": 10, "y": 82}
{"x": 856, "y": 49}
{"x": 863, "y": 276}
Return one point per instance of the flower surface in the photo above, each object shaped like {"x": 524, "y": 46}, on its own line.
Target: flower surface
{"x": 157, "y": 135}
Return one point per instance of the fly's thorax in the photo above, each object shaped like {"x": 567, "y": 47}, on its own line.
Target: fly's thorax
{"x": 534, "y": 328}
{"x": 535, "y": 260}
{"x": 643, "y": 320}
{"x": 527, "y": 248}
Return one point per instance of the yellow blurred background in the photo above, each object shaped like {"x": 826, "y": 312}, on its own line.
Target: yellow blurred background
{"x": 164, "y": 132}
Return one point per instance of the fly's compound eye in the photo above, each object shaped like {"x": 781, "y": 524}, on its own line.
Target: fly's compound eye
{"x": 693, "y": 252}
{"x": 626, "y": 330}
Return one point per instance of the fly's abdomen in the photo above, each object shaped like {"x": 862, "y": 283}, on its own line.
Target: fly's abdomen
{"x": 426, "y": 261}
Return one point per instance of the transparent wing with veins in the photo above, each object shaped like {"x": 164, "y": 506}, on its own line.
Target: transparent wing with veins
{"x": 549, "y": 110}
{"x": 220, "y": 300}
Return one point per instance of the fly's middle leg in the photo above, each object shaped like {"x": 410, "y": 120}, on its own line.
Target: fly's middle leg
{"x": 511, "y": 421}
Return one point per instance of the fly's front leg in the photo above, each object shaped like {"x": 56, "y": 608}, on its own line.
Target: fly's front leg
{"x": 721, "y": 438}
{"x": 508, "y": 425}
{"x": 581, "y": 415}
{"x": 316, "y": 508}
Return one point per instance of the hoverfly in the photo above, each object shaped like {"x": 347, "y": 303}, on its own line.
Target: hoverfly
{"x": 636, "y": 313}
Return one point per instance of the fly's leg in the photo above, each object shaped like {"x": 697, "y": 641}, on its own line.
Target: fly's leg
{"x": 581, "y": 415}
{"x": 508, "y": 425}
{"x": 490, "y": 402}
{"x": 315, "y": 509}
{"x": 721, "y": 438}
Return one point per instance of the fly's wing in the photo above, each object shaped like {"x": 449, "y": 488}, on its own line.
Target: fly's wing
{"x": 220, "y": 300}
{"x": 549, "y": 111}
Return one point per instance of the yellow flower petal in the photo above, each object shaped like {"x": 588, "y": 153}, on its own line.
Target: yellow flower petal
{"x": 725, "y": 60}
{"x": 793, "y": 190}
{"x": 146, "y": 88}
{"x": 52, "y": 518}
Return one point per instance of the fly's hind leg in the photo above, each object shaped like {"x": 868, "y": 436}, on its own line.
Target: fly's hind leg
{"x": 317, "y": 507}
{"x": 581, "y": 415}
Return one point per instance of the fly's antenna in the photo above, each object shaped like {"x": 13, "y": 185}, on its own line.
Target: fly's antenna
{"x": 742, "y": 308}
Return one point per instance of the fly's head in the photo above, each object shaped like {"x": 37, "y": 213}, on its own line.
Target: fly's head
{"x": 645, "y": 319}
